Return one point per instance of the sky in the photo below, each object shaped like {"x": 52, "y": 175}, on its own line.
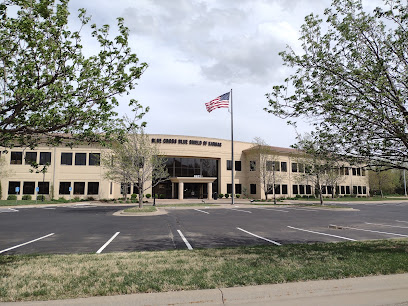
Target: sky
{"x": 198, "y": 50}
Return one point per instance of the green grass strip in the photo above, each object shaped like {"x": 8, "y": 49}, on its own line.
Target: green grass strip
{"x": 44, "y": 277}
{"x": 145, "y": 209}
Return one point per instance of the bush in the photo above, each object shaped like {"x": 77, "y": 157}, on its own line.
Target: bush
{"x": 227, "y": 195}
{"x": 148, "y": 195}
{"x": 12, "y": 197}
{"x": 41, "y": 197}
{"x": 298, "y": 196}
{"x": 26, "y": 197}
{"x": 133, "y": 196}
{"x": 77, "y": 199}
{"x": 237, "y": 196}
{"x": 90, "y": 199}
{"x": 161, "y": 196}
{"x": 221, "y": 195}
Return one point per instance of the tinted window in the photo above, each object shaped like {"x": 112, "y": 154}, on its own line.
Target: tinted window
{"x": 237, "y": 165}
{"x": 238, "y": 188}
{"x": 229, "y": 188}
{"x": 294, "y": 167}
{"x": 44, "y": 188}
{"x": 93, "y": 188}
{"x": 30, "y": 157}
{"x": 80, "y": 159}
{"x": 45, "y": 158}
{"x": 229, "y": 164}
{"x": 94, "y": 159}
{"x": 284, "y": 166}
{"x": 66, "y": 159}
{"x": 79, "y": 188}
{"x": 28, "y": 187}
{"x": 12, "y": 187}
{"x": 284, "y": 189}
{"x": 252, "y": 165}
{"x": 295, "y": 189}
{"x": 64, "y": 187}
{"x": 16, "y": 158}
{"x": 252, "y": 188}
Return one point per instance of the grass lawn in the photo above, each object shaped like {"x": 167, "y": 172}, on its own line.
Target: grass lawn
{"x": 145, "y": 209}
{"x": 186, "y": 205}
{"x": 32, "y": 202}
{"x": 44, "y": 277}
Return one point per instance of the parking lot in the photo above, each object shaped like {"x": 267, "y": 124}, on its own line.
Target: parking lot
{"x": 87, "y": 228}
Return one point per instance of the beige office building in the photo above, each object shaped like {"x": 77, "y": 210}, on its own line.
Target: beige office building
{"x": 199, "y": 167}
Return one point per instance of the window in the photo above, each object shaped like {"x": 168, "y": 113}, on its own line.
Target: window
{"x": 359, "y": 171}
{"x": 237, "y": 165}
{"x": 229, "y": 164}
{"x": 43, "y": 188}
{"x": 30, "y": 157}
{"x": 252, "y": 165}
{"x": 269, "y": 189}
{"x": 277, "y": 189}
{"x": 16, "y": 158}
{"x": 135, "y": 189}
{"x": 347, "y": 189}
{"x": 12, "y": 187}
{"x": 295, "y": 189}
{"x": 294, "y": 167}
{"x": 347, "y": 171}
{"x": 364, "y": 190}
{"x": 79, "y": 188}
{"x": 359, "y": 190}
{"x": 363, "y": 172}
{"x": 329, "y": 189}
{"x": 284, "y": 189}
{"x": 324, "y": 190}
{"x": 276, "y": 165}
{"x": 269, "y": 165}
{"x": 123, "y": 186}
{"x": 354, "y": 170}
{"x": 354, "y": 189}
{"x": 45, "y": 158}
{"x": 229, "y": 188}
{"x": 284, "y": 166}
{"x": 94, "y": 159}
{"x": 238, "y": 188}
{"x": 80, "y": 159}
{"x": 342, "y": 190}
{"x": 308, "y": 189}
{"x": 302, "y": 189}
{"x": 66, "y": 159}
{"x": 252, "y": 188}
{"x": 93, "y": 187}
{"x": 301, "y": 168}
{"x": 64, "y": 187}
{"x": 28, "y": 187}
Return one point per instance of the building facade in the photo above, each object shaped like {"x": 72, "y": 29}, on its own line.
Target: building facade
{"x": 199, "y": 167}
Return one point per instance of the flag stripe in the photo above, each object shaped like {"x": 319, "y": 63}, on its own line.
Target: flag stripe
{"x": 219, "y": 102}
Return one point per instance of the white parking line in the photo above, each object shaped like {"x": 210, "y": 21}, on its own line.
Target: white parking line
{"x": 386, "y": 225}
{"x": 107, "y": 243}
{"x": 305, "y": 209}
{"x": 13, "y": 210}
{"x": 365, "y": 230}
{"x": 402, "y": 221}
{"x": 240, "y": 210}
{"x": 301, "y": 229}
{"x": 202, "y": 211}
{"x": 271, "y": 241}
{"x": 185, "y": 240}
{"x": 17, "y": 246}
{"x": 273, "y": 209}
{"x": 48, "y": 207}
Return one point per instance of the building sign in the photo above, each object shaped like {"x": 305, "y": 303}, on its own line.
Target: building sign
{"x": 187, "y": 142}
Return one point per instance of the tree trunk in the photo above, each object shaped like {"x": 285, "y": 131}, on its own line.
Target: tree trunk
{"x": 140, "y": 187}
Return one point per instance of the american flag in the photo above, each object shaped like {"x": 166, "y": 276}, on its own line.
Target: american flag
{"x": 221, "y": 101}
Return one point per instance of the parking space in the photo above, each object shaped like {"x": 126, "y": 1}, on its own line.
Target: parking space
{"x": 94, "y": 229}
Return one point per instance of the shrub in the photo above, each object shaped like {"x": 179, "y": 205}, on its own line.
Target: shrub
{"x": 133, "y": 196}
{"x": 221, "y": 195}
{"x": 298, "y": 196}
{"x": 90, "y": 199}
{"x": 227, "y": 195}
{"x": 26, "y": 197}
{"x": 12, "y": 197}
{"x": 161, "y": 196}
{"x": 41, "y": 197}
{"x": 77, "y": 199}
{"x": 237, "y": 196}
{"x": 148, "y": 195}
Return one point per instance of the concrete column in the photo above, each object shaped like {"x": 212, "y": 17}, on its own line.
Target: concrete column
{"x": 181, "y": 191}
{"x": 209, "y": 190}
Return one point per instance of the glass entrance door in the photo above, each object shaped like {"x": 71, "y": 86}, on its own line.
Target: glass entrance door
{"x": 195, "y": 191}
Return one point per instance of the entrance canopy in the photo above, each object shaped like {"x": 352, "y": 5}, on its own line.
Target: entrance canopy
{"x": 193, "y": 180}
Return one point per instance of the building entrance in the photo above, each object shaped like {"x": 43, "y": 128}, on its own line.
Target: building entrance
{"x": 195, "y": 191}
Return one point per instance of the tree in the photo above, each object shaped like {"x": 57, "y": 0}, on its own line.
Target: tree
{"x": 320, "y": 167}
{"x": 3, "y": 172}
{"x": 135, "y": 161}
{"x": 49, "y": 90}
{"x": 37, "y": 168}
{"x": 383, "y": 180}
{"x": 268, "y": 166}
{"x": 352, "y": 80}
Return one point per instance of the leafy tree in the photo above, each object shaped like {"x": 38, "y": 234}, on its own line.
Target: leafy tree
{"x": 383, "y": 180}
{"x": 352, "y": 80}
{"x": 135, "y": 161}
{"x": 50, "y": 90}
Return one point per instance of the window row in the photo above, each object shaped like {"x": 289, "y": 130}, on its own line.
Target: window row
{"x": 270, "y": 166}
{"x": 45, "y": 158}
{"x": 80, "y": 159}
{"x": 238, "y": 188}
{"x": 28, "y": 188}
{"x": 79, "y": 188}
{"x": 16, "y": 158}
{"x": 237, "y": 165}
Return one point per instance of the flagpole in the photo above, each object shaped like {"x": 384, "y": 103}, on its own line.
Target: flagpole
{"x": 232, "y": 152}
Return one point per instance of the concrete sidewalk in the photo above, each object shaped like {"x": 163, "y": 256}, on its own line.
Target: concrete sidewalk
{"x": 373, "y": 290}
